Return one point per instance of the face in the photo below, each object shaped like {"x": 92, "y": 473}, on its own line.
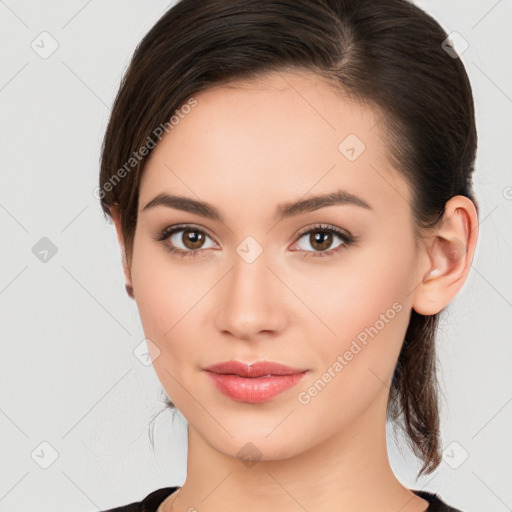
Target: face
{"x": 324, "y": 288}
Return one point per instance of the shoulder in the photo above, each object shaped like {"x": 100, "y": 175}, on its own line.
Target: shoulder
{"x": 153, "y": 500}
{"x": 149, "y": 504}
{"x": 436, "y": 503}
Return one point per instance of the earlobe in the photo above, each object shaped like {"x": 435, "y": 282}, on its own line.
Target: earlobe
{"x": 448, "y": 253}
{"x": 116, "y": 217}
{"x": 129, "y": 290}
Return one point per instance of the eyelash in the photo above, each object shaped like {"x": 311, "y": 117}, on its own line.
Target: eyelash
{"x": 347, "y": 239}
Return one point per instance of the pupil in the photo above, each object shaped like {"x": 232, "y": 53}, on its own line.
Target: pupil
{"x": 194, "y": 238}
{"x": 321, "y": 237}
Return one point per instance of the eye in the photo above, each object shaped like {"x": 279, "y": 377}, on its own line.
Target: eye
{"x": 190, "y": 238}
{"x": 321, "y": 237}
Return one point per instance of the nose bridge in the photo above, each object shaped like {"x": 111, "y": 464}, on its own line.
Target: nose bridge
{"x": 250, "y": 302}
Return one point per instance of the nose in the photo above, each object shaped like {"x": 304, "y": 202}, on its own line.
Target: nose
{"x": 251, "y": 300}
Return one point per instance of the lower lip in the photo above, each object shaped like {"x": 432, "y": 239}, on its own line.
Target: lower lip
{"x": 254, "y": 390}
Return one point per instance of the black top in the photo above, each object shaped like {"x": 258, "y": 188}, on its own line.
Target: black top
{"x": 153, "y": 500}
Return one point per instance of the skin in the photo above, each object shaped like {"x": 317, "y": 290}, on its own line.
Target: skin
{"x": 247, "y": 148}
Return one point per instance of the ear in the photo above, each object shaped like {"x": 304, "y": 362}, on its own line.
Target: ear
{"x": 116, "y": 217}
{"x": 447, "y": 257}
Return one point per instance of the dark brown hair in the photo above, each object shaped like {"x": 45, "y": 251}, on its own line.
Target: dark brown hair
{"x": 385, "y": 53}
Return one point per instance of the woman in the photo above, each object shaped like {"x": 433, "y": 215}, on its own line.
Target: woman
{"x": 290, "y": 184}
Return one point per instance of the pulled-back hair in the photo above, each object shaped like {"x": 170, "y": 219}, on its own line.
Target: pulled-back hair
{"x": 389, "y": 54}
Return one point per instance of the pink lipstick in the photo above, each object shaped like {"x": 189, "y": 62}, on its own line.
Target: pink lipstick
{"x": 256, "y": 382}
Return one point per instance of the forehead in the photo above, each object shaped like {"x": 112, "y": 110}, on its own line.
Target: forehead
{"x": 274, "y": 139}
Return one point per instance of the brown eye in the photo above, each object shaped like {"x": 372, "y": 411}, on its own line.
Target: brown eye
{"x": 192, "y": 238}
{"x": 321, "y": 238}
{"x": 184, "y": 240}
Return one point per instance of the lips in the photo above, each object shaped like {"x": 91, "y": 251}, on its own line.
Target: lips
{"x": 254, "y": 370}
{"x": 253, "y": 383}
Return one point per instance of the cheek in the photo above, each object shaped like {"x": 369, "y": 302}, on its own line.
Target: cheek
{"x": 171, "y": 297}
{"x": 369, "y": 319}
{"x": 364, "y": 308}
{"x": 352, "y": 293}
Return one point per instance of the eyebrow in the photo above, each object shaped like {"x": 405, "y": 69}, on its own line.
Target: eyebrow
{"x": 283, "y": 211}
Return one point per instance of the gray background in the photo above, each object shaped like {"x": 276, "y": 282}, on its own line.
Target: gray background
{"x": 69, "y": 377}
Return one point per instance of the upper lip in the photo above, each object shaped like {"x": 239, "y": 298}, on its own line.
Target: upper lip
{"x": 257, "y": 369}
